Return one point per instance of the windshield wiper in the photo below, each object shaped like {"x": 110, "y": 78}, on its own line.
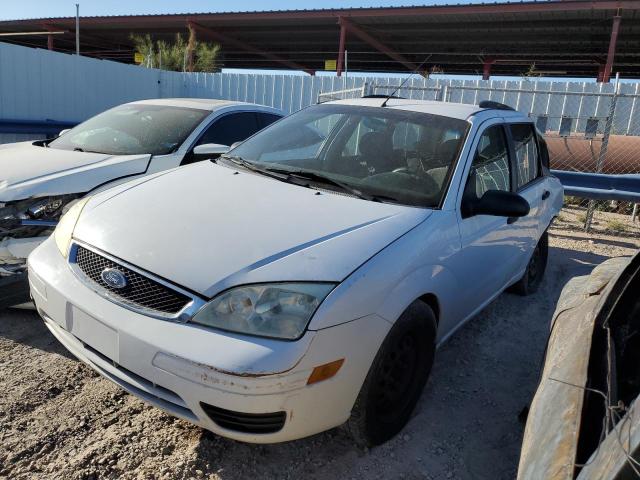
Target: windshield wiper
{"x": 78, "y": 149}
{"x": 237, "y": 160}
{"x": 319, "y": 178}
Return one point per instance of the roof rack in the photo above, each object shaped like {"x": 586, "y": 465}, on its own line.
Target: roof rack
{"x": 494, "y": 105}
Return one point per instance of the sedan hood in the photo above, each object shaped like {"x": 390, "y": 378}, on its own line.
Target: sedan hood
{"x": 208, "y": 227}
{"x": 28, "y": 170}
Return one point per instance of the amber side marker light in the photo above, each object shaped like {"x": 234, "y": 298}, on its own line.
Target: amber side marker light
{"x": 324, "y": 372}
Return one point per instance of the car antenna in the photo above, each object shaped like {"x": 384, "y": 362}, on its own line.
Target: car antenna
{"x": 384, "y": 104}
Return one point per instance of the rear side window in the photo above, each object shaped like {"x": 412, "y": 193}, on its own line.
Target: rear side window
{"x": 491, "y": 167}
{"x": 231, "y": 128}
{"x": 544, "y": 152}
{"x": 526, "y": 149}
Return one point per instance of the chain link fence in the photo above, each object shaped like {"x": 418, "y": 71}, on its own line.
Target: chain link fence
{"x": 589, "y": 127}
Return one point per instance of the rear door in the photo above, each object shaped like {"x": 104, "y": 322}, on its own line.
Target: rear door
{"x": 529, "y": 183}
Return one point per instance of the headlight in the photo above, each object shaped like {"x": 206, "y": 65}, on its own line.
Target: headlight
{"x": 278, "y": 310}
{"x": 64, "y": 230}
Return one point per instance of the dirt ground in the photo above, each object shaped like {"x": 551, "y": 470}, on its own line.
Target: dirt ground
{"x": 58, "y": 419}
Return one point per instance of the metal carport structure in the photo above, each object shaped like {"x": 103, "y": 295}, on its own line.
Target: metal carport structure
{"x": 574, "y": 38}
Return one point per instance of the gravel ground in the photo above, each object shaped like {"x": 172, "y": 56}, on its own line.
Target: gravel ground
{"x": 58, "y": 419}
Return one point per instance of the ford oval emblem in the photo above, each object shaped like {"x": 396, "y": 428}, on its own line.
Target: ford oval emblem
{"x": 114, "y": 278}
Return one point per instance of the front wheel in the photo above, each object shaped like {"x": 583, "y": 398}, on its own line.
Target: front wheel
{"x": 532, "y": 277}
{"x": 396, "y": 378}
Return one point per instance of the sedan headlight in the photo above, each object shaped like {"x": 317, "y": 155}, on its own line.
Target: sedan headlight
{"x": 277, "y": 310}
{"x": 64, "y": 229}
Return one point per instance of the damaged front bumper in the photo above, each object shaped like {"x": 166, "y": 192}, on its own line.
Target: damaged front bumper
{"x": 14, "y": 287}
{"x": 14, "y": 290}
{"x": 24, "y": 224}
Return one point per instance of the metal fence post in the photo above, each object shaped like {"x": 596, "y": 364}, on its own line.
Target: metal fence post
{"x": 365, "y": 89}
{"x": 603, "y": 148}
{"x": 442, "y": 92}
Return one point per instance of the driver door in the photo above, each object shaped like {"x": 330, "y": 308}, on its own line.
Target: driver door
{"x": 489, "y": 248}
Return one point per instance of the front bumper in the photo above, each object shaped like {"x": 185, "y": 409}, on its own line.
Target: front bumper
{"x": 179, "y": 367}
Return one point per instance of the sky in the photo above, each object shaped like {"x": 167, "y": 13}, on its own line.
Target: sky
{"x": 12, "y": 9}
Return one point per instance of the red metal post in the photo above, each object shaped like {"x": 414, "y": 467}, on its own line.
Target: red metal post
{"x": 343, "y": 36}
{"x": 612, "y": 48}
{"x": 49, "y": 28}
{"x": 486, "y": 68}
{"x": 381, "y": 47}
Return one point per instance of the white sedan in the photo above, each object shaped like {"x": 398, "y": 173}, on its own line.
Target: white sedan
{"x": 39, "y": 180}
{"x": 304, "y": 279}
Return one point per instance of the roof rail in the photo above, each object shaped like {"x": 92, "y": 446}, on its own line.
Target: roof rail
{"x": 494, "y": 105}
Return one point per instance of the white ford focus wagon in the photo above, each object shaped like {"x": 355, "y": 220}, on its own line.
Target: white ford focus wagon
{"x": 304, "y": 279}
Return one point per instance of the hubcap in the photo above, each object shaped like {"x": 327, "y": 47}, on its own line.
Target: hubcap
{"x": 397, "y": 372}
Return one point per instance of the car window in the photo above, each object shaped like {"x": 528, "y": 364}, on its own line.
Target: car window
{"x": 304, "y": 143}
{"x": 363, "y": 126}
{"x": 544, "y": 152}
{"x": 490, "y": 166}
{"x": 230, "y": 128}
{"x": 266, "y": 119}
{"x": 527, "y": 162}
{"x": 394, "y": 155}
{"x": 133, "y": 129}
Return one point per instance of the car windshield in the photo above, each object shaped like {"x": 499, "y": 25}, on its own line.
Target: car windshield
{"x": 133, "y": 129}
{"x": 381, "y": 154}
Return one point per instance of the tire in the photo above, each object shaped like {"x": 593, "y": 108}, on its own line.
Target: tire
{"x": 534, "y": 273}
{"x": 403, "y": 363}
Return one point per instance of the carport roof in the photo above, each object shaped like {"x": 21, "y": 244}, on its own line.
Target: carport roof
{"x": 566, "y": 38}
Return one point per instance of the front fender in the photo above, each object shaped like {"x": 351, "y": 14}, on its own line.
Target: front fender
{"x": 436, "y": 280}
{"x": 408, "y": 268}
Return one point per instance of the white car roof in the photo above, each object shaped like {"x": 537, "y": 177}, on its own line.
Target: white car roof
{"x": 461, "y": 111}
{"x": 211, "y": 104}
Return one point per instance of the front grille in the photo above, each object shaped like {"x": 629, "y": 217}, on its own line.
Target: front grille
{"x": 140, "y": 292}
{"x": 246, "y": 422}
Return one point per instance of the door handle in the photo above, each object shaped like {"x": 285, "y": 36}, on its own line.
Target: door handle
{"x": 511, "y": 220}
{"x": 546, "y": 194}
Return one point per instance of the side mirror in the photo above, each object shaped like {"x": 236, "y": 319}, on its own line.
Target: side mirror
{"x": 497, "y": 203}
{"x": 62, "y": 132}
{"x": 210, "y": 149}
{"x": 234, "y": 145}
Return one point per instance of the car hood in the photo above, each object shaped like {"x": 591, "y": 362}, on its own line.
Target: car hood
{"x": 207, "y": 227}
{"x": 28, "y": 170}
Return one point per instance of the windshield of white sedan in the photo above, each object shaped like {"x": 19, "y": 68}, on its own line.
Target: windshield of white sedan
{"x": 379, "y": 154}
{"x": 133, "y": 129}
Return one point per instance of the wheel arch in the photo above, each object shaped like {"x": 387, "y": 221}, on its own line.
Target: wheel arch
{"x": 431, "y": 300}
